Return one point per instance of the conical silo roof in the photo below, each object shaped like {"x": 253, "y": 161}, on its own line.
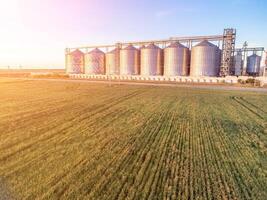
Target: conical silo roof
{"x": 205, "y": 43}
{"x": 130, "y": 47}
{"x": 114, "y": 50}
{"x": 76, "y": 51}
{"x": 176, "y": 45}
{"x": 142, "y": 47}
{"x": 151, "y": 46}
{"x": 96, "y": 50}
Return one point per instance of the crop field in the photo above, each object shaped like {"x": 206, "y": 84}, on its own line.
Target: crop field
{"x": 74, "y": 140}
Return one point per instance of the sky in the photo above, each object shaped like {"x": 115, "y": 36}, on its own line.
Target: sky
{"x": 34, "y": 33}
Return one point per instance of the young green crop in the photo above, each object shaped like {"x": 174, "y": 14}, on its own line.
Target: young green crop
{"x": 73, "y": 140}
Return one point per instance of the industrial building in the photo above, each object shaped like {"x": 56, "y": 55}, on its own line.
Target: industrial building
{"x": 196, "y": 56}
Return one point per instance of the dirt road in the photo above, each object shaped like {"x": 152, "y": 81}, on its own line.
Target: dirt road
{"x": 158, "y": 84}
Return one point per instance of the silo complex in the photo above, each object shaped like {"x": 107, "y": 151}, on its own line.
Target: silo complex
{"x": 129, "y": 61}
{"x": 151, "y": 60}
{"x": 205, "y": 59}
{"x": 176, "y": 60}
{"x": 113, "y": 62}
{"x": 253, "y": 64}
{"x": 75, "y": 62}
{"x": 94, "y": 62}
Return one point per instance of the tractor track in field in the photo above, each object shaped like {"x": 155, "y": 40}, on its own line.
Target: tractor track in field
{"x": 253, "y": 105}
{"x": 247, "y": 106}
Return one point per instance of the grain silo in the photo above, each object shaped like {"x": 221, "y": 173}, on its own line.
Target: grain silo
{"x": 176, "y": 60}
{"x": 151, "y": 60}
{"x": 113, "y": 62}
{"x": 253, "y": 64}
{"x": 205, "y": 59}
{"x": 129, "y": 61}
{"x": 74, "y": 62}
{"x": 94, "y": 62}
{"x": 238, "y": 64}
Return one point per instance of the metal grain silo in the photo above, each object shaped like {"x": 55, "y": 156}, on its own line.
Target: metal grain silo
{"x": 176, "y": 60}
{"x": 151, "y": 60}
{"x": 74, "y": 62}
{"x": 238, "y": 64}
{"x": 113, "y": 62}
{"x": 129, "y": 61}
{"x": 253, "y": 64}
{"x": 205, "y": 59}
{"x": 94, "y": 62}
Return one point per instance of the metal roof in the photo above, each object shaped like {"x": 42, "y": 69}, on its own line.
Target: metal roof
{"x": 176, "y": 45}
{"x": 151, "y": 46}
{"x": 114, "y": 50}
{"x": 130, "y": 47}
{"x": 205, "y": 43}
{"x": 96, "y": 50}
{"x": 76, "y": 51}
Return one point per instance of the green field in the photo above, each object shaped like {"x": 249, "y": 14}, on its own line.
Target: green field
{"x": 86, "y": 141}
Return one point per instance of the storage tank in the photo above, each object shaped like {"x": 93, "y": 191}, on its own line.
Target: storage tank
{"x": 263, "y": 63}
{"x": 129, "y": 61}
{"x": 113, "y": 62}
{"x": 263, "y": 59}
{"x": 205, "y": 59}
{"x": 253, "y": 64}
{"x": 176, "y": 60}
{"x": 238, "y": 64}
{"x": 94, "y": 62}
{"x": 74, "y": 62}
{"x": 151, "y": 60}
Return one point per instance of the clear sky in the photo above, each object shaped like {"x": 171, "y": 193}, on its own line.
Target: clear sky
{"x": 34, "y": 33}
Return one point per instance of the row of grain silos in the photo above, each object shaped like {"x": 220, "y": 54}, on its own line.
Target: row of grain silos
{"x": 150, "y": 60}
